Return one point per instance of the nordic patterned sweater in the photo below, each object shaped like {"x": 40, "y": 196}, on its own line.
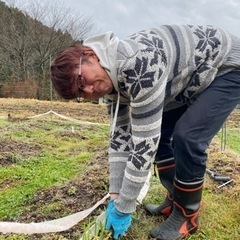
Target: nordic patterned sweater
{"x": 155, "y": 70}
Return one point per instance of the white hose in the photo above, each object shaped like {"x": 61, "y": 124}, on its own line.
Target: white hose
{"x": 57, "y": 225}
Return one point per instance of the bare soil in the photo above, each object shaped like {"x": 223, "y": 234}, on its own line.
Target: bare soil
{"x": 87, "y": 189}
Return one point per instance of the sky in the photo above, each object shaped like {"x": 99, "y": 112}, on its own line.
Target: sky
{"x": 125, "y": 17}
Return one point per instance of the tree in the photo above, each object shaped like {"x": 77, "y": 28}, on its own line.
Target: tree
{"x": 32, "y": 36}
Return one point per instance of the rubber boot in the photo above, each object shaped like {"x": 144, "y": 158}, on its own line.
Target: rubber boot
{"x": 164, "y": 209}
{"x": 184, "y": 217}
{"x": 166, "y": 172}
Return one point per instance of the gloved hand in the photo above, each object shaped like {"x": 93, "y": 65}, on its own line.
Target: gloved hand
{"x": 109, "y": 206}
{"x": 118, "y": 221}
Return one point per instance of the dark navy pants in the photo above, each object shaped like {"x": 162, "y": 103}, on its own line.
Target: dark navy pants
{"x": 187, "y": 131}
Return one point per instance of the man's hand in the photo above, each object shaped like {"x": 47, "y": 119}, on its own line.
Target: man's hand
{"x": 109, "y": 206}
{"x": 118, "y": 221}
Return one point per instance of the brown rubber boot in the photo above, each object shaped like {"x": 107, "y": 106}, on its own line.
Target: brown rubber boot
{"x": 184, "y": 217}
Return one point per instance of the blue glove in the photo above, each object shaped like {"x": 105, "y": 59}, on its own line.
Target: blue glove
{"x": 118, "y": 221}
{"x": 109, "y": 206}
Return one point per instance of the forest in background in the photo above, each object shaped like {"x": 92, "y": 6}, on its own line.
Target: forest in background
{"x": 27, "y": 46}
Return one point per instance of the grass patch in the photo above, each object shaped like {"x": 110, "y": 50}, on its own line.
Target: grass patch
{"x": 233, "y": 139}
{"x": 62, "y": 152}
{"x": 33, "y": 175}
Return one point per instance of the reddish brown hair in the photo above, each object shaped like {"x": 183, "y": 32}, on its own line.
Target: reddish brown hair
{"x": 62, "y": 68}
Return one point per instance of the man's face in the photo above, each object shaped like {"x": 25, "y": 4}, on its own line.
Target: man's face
{"x": 94, "y": 81}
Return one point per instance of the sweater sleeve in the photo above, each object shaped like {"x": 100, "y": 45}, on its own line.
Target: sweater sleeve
{"x": 119, "y": 149}
{"x": 137, "y": 133}
{"x": 145, "y": 119}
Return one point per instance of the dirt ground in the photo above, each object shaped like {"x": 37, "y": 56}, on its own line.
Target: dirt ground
{"x": 85, "y": 191}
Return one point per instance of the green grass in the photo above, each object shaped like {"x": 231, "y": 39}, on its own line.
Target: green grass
{"x": 233, "y": 139}
{"x": 229, "y": 135}
{"x": 34, "y": 175}
{"x": 63, "y": 150}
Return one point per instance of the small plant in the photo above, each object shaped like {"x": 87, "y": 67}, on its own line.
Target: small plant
{"x": 72, "y": 190}
{"x": 96, "y": 231}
